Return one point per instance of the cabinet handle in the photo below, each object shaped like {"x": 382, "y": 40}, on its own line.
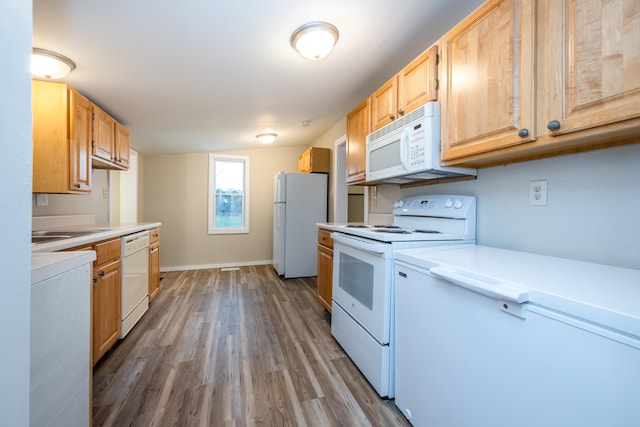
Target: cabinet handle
{"x": 154, "y": 250}
{"x": 392, "y": 117}
{"x": 95, "y": 279}
{"x": 401, "y": 112}
{"x": 523, "y": 133}
{"x": 76, "y": 185}
{"x": 101, "y": 274}
{"x": 553, "y": 125}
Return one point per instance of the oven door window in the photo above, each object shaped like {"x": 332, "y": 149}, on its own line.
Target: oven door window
{"x": 356, "y": 278}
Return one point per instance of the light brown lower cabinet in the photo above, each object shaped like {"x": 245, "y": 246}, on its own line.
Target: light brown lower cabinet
{"x": 154, "y": 262}
{"x": 325, "y": 268}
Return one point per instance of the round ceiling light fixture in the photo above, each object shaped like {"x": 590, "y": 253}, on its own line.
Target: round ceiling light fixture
{"x": 50, "y": 65}
{"x": 267, "y": 138}
{"x": 314, "y": 40}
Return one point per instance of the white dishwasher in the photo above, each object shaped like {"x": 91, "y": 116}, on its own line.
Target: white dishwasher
{"x": 135, "y": 279}
{"x": 486, "y": 336}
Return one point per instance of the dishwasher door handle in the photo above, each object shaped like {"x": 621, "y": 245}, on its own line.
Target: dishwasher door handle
{"x": 483, "y": 285}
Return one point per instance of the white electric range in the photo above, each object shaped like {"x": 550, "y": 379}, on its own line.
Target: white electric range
{"x": 363, "y": 256}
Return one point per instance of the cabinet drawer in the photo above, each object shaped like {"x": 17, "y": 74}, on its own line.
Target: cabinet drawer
{"x": 106, "y": 251}
{"x": 324, "y": 238}
{"x": 154, "y": 235}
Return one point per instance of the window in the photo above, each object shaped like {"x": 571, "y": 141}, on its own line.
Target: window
{"x": 228, "y": 194}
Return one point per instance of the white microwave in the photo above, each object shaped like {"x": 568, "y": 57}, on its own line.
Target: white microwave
{"x": 408, "y": 149}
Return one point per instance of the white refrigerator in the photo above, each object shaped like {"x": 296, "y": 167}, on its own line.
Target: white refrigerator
{"x": 299, "y": 202}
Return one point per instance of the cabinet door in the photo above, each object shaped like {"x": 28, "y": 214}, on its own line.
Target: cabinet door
{"x": 80, "y": 140}
{"x": 418, "y": 81}
{"x": 489, "y": 89}
{"x": 593, "y": 49}
{"x": 384, "y": 104}
{"x": 357, "y": 131}
{"x": 325, "y": 276}
{"x": 123, "y": 145}
{"x": 107, "y": 308}
{"x": 154, "y": 270}
{"x": 103, "y": 135}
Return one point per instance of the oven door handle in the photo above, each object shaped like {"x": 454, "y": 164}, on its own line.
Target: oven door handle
{"x": 362, "y": 244}
{"x": 483, "y": 285}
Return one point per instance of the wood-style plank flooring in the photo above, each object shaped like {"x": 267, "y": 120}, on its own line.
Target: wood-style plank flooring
{"x": 234, "y": 348}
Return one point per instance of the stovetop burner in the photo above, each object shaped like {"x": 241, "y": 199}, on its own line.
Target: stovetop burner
{"x": 357, "y": 226}
{"x": 392, "y": 231}
{"x": 428, "y": 231}
{"x": 386, "y": 226}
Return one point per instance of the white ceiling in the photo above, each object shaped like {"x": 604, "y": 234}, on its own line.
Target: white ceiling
{"x": 208, "y": 75}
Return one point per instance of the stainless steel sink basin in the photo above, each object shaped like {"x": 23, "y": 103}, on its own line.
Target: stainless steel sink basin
{"x": 42, "y": 236}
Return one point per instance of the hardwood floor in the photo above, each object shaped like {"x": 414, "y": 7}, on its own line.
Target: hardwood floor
{"x": 234, "y": 348}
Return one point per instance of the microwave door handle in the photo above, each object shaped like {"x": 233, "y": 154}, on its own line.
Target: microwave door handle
{"x": 405, "y": 141}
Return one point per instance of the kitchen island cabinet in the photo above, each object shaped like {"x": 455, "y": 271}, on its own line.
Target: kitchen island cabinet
{"x": 154, "y": 262}
{"x": 325, "y": 268}
{"x": 413, "y": 86}
{"x": 61, "y": 139}
{"x": 358, "y": 127}
{"x": 526, "y": 80}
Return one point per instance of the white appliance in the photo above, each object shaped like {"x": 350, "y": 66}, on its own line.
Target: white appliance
{"x": 300, "y": 201}
{"x": 60, "y": 366}
{"x": 408, "y": 149}
{"x": 362, "y": 306}
{"x": 486, "y": 336}
{"x": 135, "y": 279}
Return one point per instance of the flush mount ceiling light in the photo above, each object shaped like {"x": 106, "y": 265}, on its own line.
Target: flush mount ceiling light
{"x": 314, "y": 40}
{"x": 267, "y": 138}
{"x": 50, "y": 65}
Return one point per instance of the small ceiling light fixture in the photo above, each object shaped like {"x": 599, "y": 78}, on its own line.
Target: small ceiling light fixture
{"x": 50, "y": 65}
{"x": 314, "y": 40}
{"x": 267, "y": 138}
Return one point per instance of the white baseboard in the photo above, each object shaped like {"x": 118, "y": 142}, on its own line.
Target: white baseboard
{"x": 210, "y": 266}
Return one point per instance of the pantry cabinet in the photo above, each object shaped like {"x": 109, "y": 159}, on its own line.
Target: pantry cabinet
{"x": 154, "y": 263}
{"x": 488, "y": 88}
{"x": 526, "y": 80}
{"x": 315, "y": 160}
{"x": 325, "y": 268}
{"x": 414, "y": 85}
{"x": 358, "y": 127}
{"x": 61, "y": 139}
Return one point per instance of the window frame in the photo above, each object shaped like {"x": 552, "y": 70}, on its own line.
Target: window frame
{"x": 211, "y": 207}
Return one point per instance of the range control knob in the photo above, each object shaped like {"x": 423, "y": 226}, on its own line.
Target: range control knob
{"x": 398, "y": 204}
{"x": 457, "y": 204}
{"x": 448, "y": 203}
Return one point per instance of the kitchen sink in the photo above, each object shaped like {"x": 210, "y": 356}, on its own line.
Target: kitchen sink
{"x": 42, "y": 236}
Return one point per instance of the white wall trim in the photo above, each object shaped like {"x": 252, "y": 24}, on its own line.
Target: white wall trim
{"x": 340, "y": 192}
{"x": 210, "y": 266}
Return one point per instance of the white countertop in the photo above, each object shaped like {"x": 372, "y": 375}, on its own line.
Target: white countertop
{"x": 48, "y": 264}
{"x": 111, "y": 231}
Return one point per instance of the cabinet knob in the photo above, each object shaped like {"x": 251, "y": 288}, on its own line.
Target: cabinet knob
{"x": 523, "y": 133}
{"x": 76, "y": 185}
{"x": 401, "y": 112}
{"x": 553, "y": 125}
{"x": 101, "y": 274}
{"x": 392, "y": 117}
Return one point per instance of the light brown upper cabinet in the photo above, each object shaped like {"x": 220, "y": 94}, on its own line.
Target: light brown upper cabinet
{"x": 488, "y": 89}
{"x": 111, "y": 142}
{"x": 528, "y": 79}
{"x": 589, "y": 65}
{"x": 357, "y": 130}
{"x": 414, "y": 85}
{"x": 61, "y": 139}
{"x": 314, "y": 160}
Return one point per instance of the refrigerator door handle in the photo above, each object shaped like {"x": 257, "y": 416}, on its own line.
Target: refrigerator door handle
{"x": 483, "y": 285}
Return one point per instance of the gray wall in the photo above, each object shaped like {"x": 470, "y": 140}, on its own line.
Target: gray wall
{"x": 593, "y": 211}
{"x": 15, "y": 211}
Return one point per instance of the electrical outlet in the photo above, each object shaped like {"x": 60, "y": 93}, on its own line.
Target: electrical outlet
{"x": 42, "y": 199}
{"x": 538, "y": 193}
{"x": 105, "y": 192}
